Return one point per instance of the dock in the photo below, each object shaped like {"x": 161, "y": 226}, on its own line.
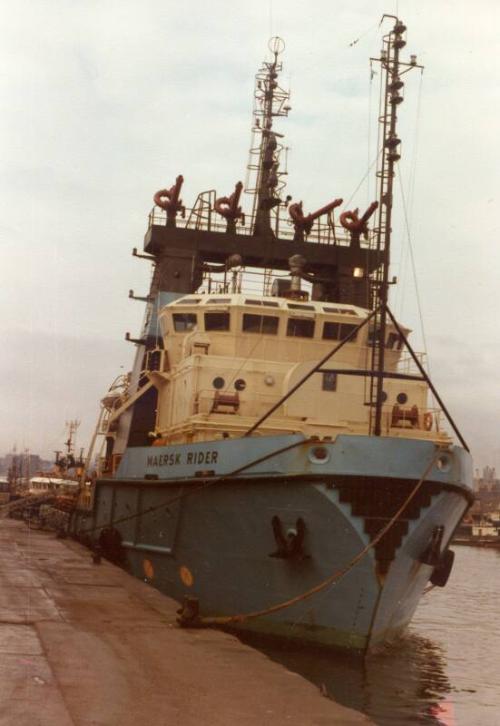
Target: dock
{"x": 84, "y": 644}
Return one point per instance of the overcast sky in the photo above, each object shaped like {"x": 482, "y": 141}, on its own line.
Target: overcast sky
{"x": 105, "y": 102}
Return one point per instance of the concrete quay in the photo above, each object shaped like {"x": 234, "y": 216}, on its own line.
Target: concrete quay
{"x": 88, "y": 645}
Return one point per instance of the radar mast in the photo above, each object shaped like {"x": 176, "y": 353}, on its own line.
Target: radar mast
{"x": 264, "y": 177}
{"x": 393, "y": 68}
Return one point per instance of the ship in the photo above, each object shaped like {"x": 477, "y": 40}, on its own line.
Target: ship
{"x": 278, "y": 459}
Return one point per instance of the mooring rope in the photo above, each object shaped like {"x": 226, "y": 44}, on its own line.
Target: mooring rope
{"x": 200, "y": 488}
{"x": 331, "y": 580}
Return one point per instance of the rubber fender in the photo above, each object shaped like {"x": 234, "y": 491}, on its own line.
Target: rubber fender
{"x": 110, "y": 542}
{"x": 442, "y": 571}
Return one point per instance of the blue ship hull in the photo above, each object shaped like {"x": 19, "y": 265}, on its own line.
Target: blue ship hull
{"x": 206, "y": 528}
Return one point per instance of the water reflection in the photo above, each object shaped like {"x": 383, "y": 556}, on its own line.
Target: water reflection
{"x": 406, "y": 683}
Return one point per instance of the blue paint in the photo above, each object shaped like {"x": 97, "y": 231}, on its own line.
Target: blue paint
{"x": 348, "y": 455}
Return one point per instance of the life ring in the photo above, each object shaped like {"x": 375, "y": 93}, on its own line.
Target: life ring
{"x": 428, "y": 420}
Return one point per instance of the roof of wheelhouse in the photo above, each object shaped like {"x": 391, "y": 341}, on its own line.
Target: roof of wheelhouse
{"x": 269, "y": 303}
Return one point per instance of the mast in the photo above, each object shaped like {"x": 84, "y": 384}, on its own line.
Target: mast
{"x": 263, "y": 181}
{"x": 393, "y": 68}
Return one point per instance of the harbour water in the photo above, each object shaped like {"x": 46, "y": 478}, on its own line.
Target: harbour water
{"x": 444, "y": 670}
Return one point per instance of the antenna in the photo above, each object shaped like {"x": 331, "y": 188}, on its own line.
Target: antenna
{"x": 72, "y": 427}
{"x": 392, "y": 70}
{"x": 264, "y": 178}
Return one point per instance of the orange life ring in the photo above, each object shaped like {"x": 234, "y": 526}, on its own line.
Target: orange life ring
{"x": 428, "y": 420}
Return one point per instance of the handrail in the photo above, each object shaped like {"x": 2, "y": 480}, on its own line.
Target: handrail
{"x": 201, "y": 218}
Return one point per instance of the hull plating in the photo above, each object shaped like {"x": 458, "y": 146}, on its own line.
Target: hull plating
{"x": 217, "y": 543}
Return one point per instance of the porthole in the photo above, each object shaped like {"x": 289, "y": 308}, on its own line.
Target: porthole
{"x": 240, "y": 384}
{"x": 319, "y": 455}
{"x": 444, "y": 463}
{"x": 269, "y": 380}
{"x": 401, "y": 398}
{"x": 218, "y": 383}
{"x": 384, "y": 396}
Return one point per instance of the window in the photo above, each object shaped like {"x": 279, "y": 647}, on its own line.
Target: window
{"x": 339, "y": 331}
{"x": 218, "y": 301}
{"x": 188, "y": 301}
{"x": 216, "y": 321}
{"x": 264, "y": 324}
{"x": 266, "y": 303}
{"x": 341, "y": 311}
{"x": 329, "y": 381}
{"x": 394, "y": 341}
{"x": 300, "y": 328}
{"x": 183, "y": 322}
{"x": 295, "y": 306}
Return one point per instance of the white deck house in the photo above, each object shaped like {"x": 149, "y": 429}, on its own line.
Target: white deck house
{"x": 227, "y": 359}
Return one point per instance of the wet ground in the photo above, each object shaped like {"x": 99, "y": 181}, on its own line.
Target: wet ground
{"x": 88, "y": 645}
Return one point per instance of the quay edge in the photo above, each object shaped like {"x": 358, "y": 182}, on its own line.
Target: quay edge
{"x": 81, "y": 644}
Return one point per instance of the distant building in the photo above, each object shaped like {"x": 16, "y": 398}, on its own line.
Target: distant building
{"x": 27, "y": 464}
{"x": 487, "y": 491}
{"x": 488, "y": 481}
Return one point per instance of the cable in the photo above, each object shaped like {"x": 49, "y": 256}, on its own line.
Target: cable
{"x": 363, "y": 179}
{"x": 202, "y": 487}
{"x": 412, "y": 260}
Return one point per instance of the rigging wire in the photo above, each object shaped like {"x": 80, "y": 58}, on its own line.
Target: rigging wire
{"x": 363, "y": 179}
{"x": 206, "y": 484}
{"x": 412, "y": 260}
{"x": 363, "y": 35}
{"x": 413, "y": 171}
{"x": 369, "y": 152}
{"x": 403, "y": 257}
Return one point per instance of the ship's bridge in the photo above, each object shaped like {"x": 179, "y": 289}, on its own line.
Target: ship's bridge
{"x": 267, "y": 328}
{"x": 226, "y": 359}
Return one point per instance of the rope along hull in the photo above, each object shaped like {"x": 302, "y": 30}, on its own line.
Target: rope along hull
{"x": 233, "y": 545}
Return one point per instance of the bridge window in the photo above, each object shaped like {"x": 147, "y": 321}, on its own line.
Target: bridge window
{"x": 264, "y": 324}
{"x": 300, "y": 328}
{"x": 266, "y": 303}
{"x": 339, "y": 331}
{"x": 394, "y": 341}
{"x": 218, "y": 301}
{"x": 295, "y": 306}
{"x": 340, "y": 311}
{"x": 188, "y": 301}
{"x": 183, "y": 322}
{"x": 216, "y": 321}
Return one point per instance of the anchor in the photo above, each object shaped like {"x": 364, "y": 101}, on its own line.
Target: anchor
{"x": 291, "y": 545}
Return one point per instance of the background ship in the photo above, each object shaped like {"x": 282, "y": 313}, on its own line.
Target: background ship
{"x": 272, "y": 458}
